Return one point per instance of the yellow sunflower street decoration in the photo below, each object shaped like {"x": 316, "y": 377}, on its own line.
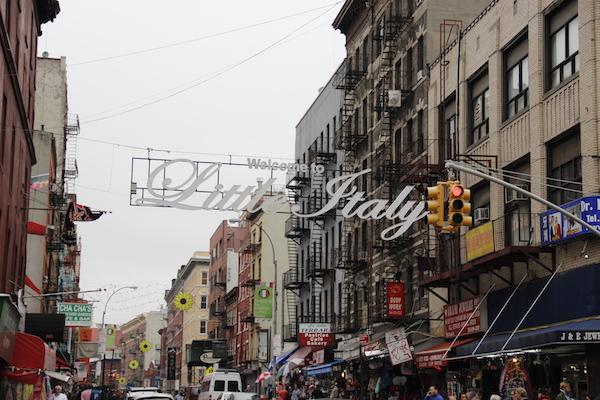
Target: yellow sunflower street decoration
{"x": 134, "y": 364}
{"x": 122, "y": 380}
{"x": 145, "y": 346}
{"x": 183, "y": 301}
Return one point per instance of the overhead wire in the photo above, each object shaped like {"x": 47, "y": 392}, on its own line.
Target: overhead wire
{"x": 215, "y": 75}
{"x": 199, "y": 38}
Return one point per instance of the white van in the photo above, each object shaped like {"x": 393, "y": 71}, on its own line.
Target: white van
{"x": 218, "y": 382}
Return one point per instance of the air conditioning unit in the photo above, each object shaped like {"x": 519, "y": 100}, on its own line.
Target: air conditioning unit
{"x": 481, "y": 215}
{"x": 420, "y": 75}
{"x": 394, "y": 98}
{"x": 362, "y": 256}
{"x": 511, "y": 195}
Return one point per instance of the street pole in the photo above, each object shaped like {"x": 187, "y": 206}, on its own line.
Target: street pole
{"x": 471, "y": 171}
{"x": 102, "y": 328}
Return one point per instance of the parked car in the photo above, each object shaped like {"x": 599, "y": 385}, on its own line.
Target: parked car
{"x": 221, "y": 381}
{"x": 135, "y": 393}
{"x": 152, "y": 396}
{"x": 238, "y": 396}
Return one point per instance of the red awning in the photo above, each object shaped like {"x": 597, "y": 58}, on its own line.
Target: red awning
{"x": 298, "y": 359}
{"x": 432, "y": 357}
{"x": 32, "y": 353}
{"x": 33, "y": 228}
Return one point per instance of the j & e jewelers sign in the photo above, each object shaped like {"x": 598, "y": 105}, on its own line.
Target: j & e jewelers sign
{"x": 164, "y": 192}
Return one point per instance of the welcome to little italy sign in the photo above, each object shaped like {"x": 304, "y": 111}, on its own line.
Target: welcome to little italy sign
{"x": 162, "y": 191}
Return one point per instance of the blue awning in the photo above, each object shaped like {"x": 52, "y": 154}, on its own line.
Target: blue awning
{"x": 580, "y": 332}
{"x": 323, "y": 368}
{"x": 280, "y": 359}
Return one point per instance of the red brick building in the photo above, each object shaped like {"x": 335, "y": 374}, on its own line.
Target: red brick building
{"x": 20, "y": 27}
{"x": 224, "y": 238}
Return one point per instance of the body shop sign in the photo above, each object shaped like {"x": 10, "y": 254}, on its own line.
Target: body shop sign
{"x": 315, "y": 335}
{"x": 456, "y": 315}
{"x": 395, "y": 299}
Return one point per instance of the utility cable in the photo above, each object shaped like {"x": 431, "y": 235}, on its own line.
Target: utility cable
{"x": 218, "y": 74}
{"x": 209, "y": 36}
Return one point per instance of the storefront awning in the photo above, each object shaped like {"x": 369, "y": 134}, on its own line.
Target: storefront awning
{"x": 285, "y": 356}
{"x": 433, "y": 356}
{"x": 32, "y": 353}
{"x": 579, "y": 332}
{"x": 298, "y": 358}
{"x": 323, "y": 368}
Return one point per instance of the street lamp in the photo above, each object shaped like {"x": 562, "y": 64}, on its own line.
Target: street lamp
{"x": 102, "y": 329}
{"x": 237, "y": 221}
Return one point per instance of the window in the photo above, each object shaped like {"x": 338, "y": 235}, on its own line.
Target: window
{"x": 232, "y": 386}
{"x": 219, "y": 386}
{"x": 408, "y": 137}
{"x": 203, "y": 327}
{"x": 398, "y": 76}
{"x": 564, "y": 43}
{"x": 398, "y": 146}
{"x": 13, "y": 143}
{"x": 420, "y": 54}
{"x": 480, "y": 198}
{"x": 4, "y": 133}
{"x": 365, "y": 54}
{"x": 364, "y": 178}
{"x": 379, "y": 37}
{"x": 205, "y": 278}
{"x": 203, "y": 302}
{"x": 516, "y": 78}
{"x": 564, "y": 170}
{"x": 518, "y": 212}
{"x": 480, "y": 108}
{"x": 420, "y": 133}
{"x": 408, "y": 69}
{"x": 447, "y": 129}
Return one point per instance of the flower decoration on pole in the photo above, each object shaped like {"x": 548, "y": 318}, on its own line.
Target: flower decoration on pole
{"x": 134, "y": 364}
{"x": 183, "y": 301}
{"x": 145, "y": 346}
{"x": 122, "y": 381}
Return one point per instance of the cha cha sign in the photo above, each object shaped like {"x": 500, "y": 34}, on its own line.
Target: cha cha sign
{"x": 162, "y": 191}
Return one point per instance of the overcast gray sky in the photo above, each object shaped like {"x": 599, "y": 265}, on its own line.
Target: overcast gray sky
{"x": 249, "y": 110}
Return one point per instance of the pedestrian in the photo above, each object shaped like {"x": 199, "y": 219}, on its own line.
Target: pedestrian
{"x": 519, "y": 394}
{"x": 463, "y": 396}
{"x": 433, "y": 393}
{"x": 335, "y": 392}
{"x": 282, "y": 392}
{"x": 57, "y": 393}
{"x": 317, "y": 393}
{"x": 495, "y": 397}
{"x": 544, "y": 395}
{"x": 565, "y": 391}
{"x": 179, "y": 396}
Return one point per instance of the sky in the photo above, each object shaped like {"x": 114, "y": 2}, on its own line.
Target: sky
{"x": 260, "y": 82}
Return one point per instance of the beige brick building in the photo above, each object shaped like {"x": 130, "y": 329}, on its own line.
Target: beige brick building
{"x": 517, "y": 96}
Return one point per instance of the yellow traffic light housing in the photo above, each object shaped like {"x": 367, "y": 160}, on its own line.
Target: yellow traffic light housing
{"x": 459, "y": 208}
{"x": 435, "y": 204}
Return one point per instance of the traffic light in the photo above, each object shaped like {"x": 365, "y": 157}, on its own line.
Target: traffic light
{"x": 459, "y": 208}
{"x": 435, "y": 204}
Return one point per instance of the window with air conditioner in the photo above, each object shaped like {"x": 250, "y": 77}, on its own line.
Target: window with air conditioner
{"x": 480, "y": 203}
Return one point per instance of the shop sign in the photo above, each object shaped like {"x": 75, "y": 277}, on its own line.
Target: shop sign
{"x": 171, "y": 363}
{"x": 456, "y": 315}
{"x": 263, "y": 301}
{"x": 202, "y": 190}
{"x": 433, "y": 360}
{"x": 76, "y": 314}
{"x": 556, "y": 227}
{"x": 315, "y": 335}
{"x": 480, "y": 241}
{"x": 398, "y": 346}
{"x": 9, "y": 321}
{"x": 579, "y": 336}
{"x": 363, "y": 340}
{"x": 208, "y": 358}
{"x": 395, "y": 299}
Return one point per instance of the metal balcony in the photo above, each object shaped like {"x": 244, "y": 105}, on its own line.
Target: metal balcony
{"x": 290, "y": 332}
{"x": 296, "y": 227}
{"x": 292, "y": 280}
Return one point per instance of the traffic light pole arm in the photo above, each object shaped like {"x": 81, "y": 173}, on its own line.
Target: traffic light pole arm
{"x": 467, "y": 170}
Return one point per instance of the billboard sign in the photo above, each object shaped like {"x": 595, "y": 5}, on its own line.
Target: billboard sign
{"x": 171, "y": 363}
{"x": 395, "y": 299}
{"x": 556, "y": 228}
{"x": 456, "y": 315}
{"x": 263, "y": 301}
{"x": 480, "y": 241}
{"x": 76, "y": 314}
{"x": 315, "y": 335}
{"x": 231, "y": 281}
